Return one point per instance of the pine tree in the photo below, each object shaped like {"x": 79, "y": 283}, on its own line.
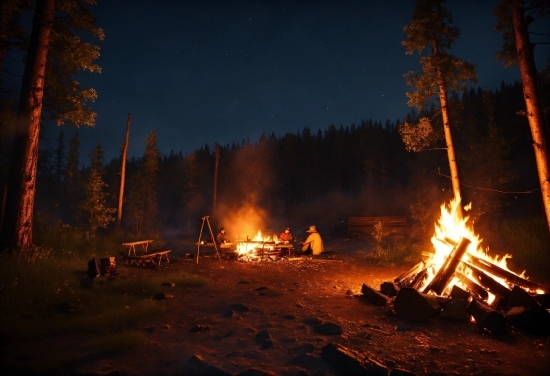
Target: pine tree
{"x": 143, "y": 198}
{"x": 431, "y": 27}
{"x": 73, "y": 183}
{"x": 95, "y": 204}
{"x": 48, "y": 90}
{"x": 518, "y": 49}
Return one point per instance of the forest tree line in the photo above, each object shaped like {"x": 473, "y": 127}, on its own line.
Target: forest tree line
{"x": 366, "y": 165}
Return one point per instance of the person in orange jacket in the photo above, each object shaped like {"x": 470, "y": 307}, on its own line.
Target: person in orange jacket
{"x": 286, "y": 236}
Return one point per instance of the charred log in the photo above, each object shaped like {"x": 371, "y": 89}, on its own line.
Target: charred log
{"x": 455, "y": 309}
{"x": 444, "y": 274}
{"x": 389, "y": 289}
{"x": 487, "y": 318}
{"x": 544, "y": 300}
{"x": 373, "y": 296}
{"x": 460, "y": 293}
{"x": 489, "y": 283}
{"x": 411, "y": 305}
{"x": 405, "y": 279}
{"x": 473, "y": 287}
{"x": 530, "y": 320}
{"x": 505, "y": 274}
{"x": 521, "y": 298}
{"x": 418, "y": 279}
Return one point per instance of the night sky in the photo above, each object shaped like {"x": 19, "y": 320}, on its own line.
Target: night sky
{"x": 201, "y": 72}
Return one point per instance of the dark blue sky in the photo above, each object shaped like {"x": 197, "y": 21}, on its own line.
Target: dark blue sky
{"x": 201, "y": 72}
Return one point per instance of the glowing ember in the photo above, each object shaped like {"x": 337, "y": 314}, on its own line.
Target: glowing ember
{"x": 449, "y": 230}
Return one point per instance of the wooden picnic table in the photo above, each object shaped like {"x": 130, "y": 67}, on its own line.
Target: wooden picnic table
{"x": 131, "y": 246}
{"x": 149, "y": 257}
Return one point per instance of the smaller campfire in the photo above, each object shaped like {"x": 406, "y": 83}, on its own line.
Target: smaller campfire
{"x": 259, "y": 248}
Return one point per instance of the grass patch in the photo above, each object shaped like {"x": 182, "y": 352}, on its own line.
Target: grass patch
{"x": 42, "y": 300}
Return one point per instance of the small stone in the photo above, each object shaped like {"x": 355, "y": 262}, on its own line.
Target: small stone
{"x": 239, "y": 307}
{"x": 159, "y": 296}
{"x": 266, "y": 344}
{"x": 262, "y": 336}
{"x": 229, "y": 313}
{"x": 329, "y": 328}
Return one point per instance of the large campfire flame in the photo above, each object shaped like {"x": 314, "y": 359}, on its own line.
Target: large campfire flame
{"x": 449, "y": 230}
{"x": 252, "y": 248}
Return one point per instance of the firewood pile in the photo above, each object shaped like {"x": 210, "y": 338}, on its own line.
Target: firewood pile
{"x": 466, "y": 288}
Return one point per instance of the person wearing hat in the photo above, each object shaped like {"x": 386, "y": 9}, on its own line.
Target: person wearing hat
{"x": 313, "y": 244}
{"x": 286, "y": 236}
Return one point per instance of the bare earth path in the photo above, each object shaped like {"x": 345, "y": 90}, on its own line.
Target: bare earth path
{"x": 286, "y": 299}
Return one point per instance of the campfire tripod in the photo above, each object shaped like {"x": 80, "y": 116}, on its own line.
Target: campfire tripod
{"x": 205, "y": 219}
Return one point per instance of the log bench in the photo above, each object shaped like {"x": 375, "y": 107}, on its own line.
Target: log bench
{"x": 363, "y": 227}
{"x": 155, "y": 256}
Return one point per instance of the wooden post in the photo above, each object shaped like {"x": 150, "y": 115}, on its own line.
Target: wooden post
{"x": 217, "y": 153}
{"x": 123, "y": 171}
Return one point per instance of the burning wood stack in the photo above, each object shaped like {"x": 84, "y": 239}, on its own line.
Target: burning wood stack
{"x": 461, "y": 282}
{"x": 262, "y": 248}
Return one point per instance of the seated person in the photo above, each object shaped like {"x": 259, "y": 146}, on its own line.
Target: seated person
{"x": 286, "y": 236}
{"x": 222, "y": 239}
{"x": 313, "y": 244}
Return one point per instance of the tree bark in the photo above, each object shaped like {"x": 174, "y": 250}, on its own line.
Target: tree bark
{"x": 17, "y": 229}
{"x": 123, "y": 171}
{"x": 533, "y": 102}
{"x": 217, "y": 162}
{"x": 449, "y": 142}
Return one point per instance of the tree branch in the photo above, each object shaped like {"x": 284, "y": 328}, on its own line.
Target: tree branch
{"x": 493, "y": 190}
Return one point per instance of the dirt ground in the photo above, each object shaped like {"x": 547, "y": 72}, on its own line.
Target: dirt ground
{"x": 284, "y": 301}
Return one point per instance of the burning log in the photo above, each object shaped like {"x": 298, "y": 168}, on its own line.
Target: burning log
{"x": 412, "y": 305}
{"x": 505, "y": 274}
{"x": 521, "y": 298}
{"x": 405, "y": 279}
{"x": 473, "y": 287}
{"x": 488, "y": 282}
{"x": 444, "y": 274}
{"x": 460, "y": 293}
{"x": 487, "y": 318}
{"x": 373, "y": 296}
{"x": 418, "y": 279}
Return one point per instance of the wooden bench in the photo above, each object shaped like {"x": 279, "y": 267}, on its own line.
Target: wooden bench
{"x": 155, "y": 256}
{"x": 363, "y": 227}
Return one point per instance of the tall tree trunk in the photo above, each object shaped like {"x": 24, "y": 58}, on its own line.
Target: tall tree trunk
{"x": 217, "y": 153}
{"x": 123, "y": 171}
{"x": 449, "y": 141}
{"x": 533, "y": 102}
{"x": 447, "y": 130}
{"x": 17, "y": 229}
